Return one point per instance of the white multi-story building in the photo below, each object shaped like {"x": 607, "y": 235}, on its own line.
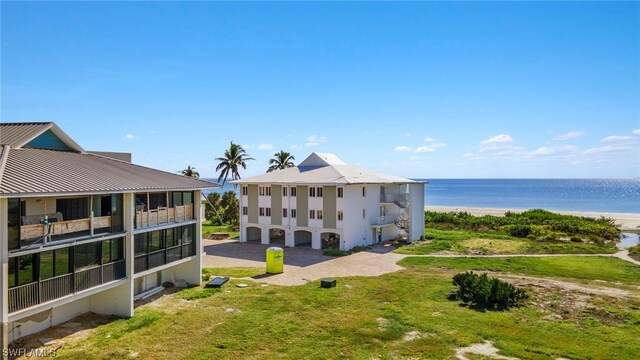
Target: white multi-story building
{"x": 86, "y": 231}
{"x": 324, "y": 203}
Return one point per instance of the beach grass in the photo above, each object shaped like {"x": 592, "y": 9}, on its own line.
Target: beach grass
{"x": 496, "y": 243}
{"x": 405, "y": 314}
{"x": 634, "y": 252}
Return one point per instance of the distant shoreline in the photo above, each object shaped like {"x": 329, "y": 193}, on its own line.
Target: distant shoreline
{"x": 626, "y": 221}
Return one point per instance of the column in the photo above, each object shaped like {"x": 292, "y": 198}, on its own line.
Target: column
{"x": 4, "y": 277}
{"x": 264, "y": 237}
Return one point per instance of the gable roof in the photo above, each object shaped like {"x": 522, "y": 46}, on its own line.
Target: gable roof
{"x": 324, "y": 169}
{"x": 37, "y": 172}
{"x": 19, "y": 135}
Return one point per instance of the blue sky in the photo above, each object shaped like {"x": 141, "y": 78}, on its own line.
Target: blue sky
{"x": 422, "y": 90}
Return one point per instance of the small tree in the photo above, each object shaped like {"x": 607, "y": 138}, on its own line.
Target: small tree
{"x": 281, "y": 160}
{"x": 191, "y": 172}
{"x": 230, "y": 208}
{"x": 485, "y": 293}
{"x": 213, "y": 209}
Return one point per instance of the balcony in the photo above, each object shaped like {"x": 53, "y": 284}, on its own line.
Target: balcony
{"x": 163, "y": 215}
{"x": 59, "y": 229}
{"x": 35, "y": 293}
{"x": 401, "y": 199}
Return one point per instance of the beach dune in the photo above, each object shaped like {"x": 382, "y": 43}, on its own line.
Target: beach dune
{"x": 626, "y": 222}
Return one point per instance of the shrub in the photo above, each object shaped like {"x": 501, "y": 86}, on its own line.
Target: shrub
{"x": 517, "y": 230}
{"x": 338, "y": 252}
{"x": 634, "y": 250}
{"x": 485, "y": 293}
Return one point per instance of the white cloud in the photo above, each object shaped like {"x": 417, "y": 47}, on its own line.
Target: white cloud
{"x": 315, "y": 140}
{"x": 295, "y": 147}
{"x": 402, "y": 148}
{"x": 414, "y": 157}
{"x": 615, "y": 138}
{"x": 407, "y": 134}
{"x": 265, "y": 147}
{"x": 498, "y": 139}
{"x": 568, "y": 136}
{"x": 636, "y": 132}
{"x": 130, "y": 137}
{"x": 429, "y": 139}
{"x": 550, "y": 150}
{"x": 423, "y": 149}
{"x": 617, "y": 147}
{"x": 472, "y": 156}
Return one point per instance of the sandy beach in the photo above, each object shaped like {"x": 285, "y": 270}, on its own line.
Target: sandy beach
{"x": 626, "y": 222}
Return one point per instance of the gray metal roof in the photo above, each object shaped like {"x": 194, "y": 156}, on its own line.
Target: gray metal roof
{"x": 30, "y": 172}
{"x": 17, "y": 135}
{"x": 324, "y": 169}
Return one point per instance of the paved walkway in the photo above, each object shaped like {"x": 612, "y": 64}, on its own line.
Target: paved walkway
{"x": 304, "y": 264}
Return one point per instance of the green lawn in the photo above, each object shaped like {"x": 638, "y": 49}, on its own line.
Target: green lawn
{"x": 370, "y": 317}
{"x": 207, "y": 229}
{"x": 236, "y": 272}
{"x": 471, "y": 242}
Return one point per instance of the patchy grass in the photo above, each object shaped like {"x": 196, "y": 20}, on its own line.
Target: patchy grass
{"x": 233, "y": 272}
{"x": 486, "y": 243}
{"x": 197, "y": 292}
{"x": 582, "y": 268}
{"x": 207, "y": 229}
{"x": 404, "y": 314}
{"x": 634, "y": 252}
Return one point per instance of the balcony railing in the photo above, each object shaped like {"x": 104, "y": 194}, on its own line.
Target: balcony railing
{"x": 163, "y": 215}
{"x": 32, "y": 294}
{"x": 37, "y": 231}
{"x": 401, "y": 200}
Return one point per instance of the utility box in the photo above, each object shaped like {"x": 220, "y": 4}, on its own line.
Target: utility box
{"x": 275, "y": 260}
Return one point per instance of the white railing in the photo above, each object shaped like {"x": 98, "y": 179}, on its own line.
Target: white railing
{"x": 401, "y": 200}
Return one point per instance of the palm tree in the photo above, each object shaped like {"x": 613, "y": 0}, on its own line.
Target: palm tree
{"x": 233, "y": 159}
{"x": 190, "y": 172}
{"x": 281, "y": 160}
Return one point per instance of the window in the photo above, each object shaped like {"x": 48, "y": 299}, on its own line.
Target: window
{"x": 312, "y": 214}
{"x": 319, "y": 214}
{"x": 46, "y": 264}
{"x": 140, "y": 244}
{"x": 284, "y": 191}
{"x": 74, "y": 208}
{"x": 364, "y": 213}
{"x": 179, "y": 198}
{"x": 13, "y": 222}
{"x": 293, "y": 213}
{"x": 340, "y": 215}
{"x": 284, "y": 213}
{"x": 340, "y": 192}
{"x": 170, "y": 238}
{"x": 245, "y": 190}
{"x": 261, "y": 191}
{"x": 265, "y": 190}
{"x": 157, "y": 200}
{"x": 87, "y": 255}
{"x": 261, "y": 211}
{"x": 111, "y": 250}
{"x": 156, "y": 240}
{"x": 22, "y": 270}
{"x": 245, "y": 210}
{"x": 268, "y": 211}
{"x": 293, "y": 191}
{"x": 312, "y": 192}
{"x": 319, "y": 192}
{"x": 364, "y": 191}
{"x": 268, "y": 190}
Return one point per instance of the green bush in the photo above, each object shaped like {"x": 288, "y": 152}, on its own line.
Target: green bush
{"x": 521, "y": 231}
{"x": 485, "y": 293}
{"x": 534, "y": 223}
{"x": 634, "y": 250}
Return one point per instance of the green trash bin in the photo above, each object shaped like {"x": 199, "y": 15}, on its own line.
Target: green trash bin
{"x": 275, "y": 260}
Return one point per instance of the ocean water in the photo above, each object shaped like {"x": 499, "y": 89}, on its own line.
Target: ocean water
{"x": 597, "y": 195}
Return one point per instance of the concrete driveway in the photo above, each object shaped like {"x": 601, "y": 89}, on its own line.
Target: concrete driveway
{"x": 301, "y": 264}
